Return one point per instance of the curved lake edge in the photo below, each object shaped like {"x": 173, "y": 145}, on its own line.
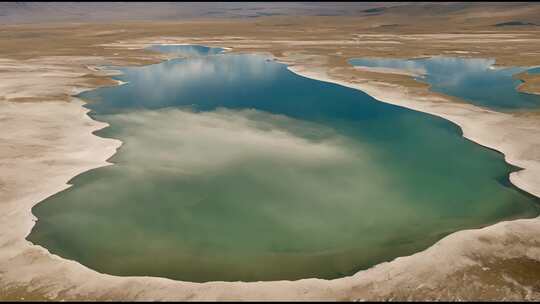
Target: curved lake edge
{"x": 305, "y": 71}
{"x": 417, "y": 105}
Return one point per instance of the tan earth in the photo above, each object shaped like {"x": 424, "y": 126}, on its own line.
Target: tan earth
{"x": 531, "y": 83}
{"x": 46, "y": 139}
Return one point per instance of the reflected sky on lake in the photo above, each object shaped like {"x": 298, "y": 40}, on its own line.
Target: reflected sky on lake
{"x": 177, "y": 82}
{"x": 472, "y": 79}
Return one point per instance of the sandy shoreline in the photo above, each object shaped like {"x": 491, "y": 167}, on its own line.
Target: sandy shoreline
{"x": 390, "y": 71}
{"x": 27, "y": 269}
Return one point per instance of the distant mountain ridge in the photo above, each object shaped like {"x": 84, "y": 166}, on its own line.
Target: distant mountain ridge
{"x": 46, "y": 12}
{"x": 35, "y": 12}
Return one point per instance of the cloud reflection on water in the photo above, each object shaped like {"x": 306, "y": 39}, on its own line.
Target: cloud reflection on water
{"x": 183, "y": 141}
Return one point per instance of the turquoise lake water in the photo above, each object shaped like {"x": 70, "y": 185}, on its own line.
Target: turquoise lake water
{"x": 234, "y": 168}
{"x": 534, "y": 71}
{"x": 472, "y": 79}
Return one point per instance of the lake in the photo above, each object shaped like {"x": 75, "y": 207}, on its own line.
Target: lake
{"x": 234, "y": 168}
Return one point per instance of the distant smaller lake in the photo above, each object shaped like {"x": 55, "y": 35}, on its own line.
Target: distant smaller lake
{"x": 472, "y": 79}
{"x": 534, "y": 71}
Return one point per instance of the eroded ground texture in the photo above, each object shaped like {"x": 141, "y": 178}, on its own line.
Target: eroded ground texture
{"x": 46, "y": 137}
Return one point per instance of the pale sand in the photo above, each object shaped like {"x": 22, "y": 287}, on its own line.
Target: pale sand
{"x": 413, "y": 73}
{"x": 530, "y": 84}
{"x": 60, "y": 135}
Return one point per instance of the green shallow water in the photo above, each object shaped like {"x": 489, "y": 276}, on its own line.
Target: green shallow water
{"x": 234, "y": 168}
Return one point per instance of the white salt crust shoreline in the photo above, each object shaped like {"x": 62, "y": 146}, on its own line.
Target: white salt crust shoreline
{"x": 61, "y": 135}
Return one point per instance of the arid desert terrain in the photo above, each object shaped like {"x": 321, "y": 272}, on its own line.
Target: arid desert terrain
{"x": 47, "y": 138}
